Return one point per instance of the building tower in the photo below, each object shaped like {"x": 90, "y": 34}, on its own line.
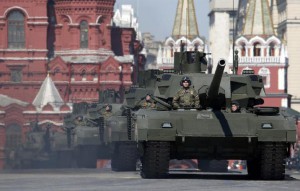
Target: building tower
{"x": 262, "y": 51}
{"x": 286, "y": 14}
{"x": 185, "y": 30}
{"x": 221, "y": 28}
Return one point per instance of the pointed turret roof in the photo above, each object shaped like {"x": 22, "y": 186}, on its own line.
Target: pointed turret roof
{"x": 48, "y": 94}
{"x": 258, "y": 19}
{"x": 185, "y": 23}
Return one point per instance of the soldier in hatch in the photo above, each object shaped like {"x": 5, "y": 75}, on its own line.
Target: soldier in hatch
{"x": 235, "y": 107}
{"x": 147, "y": 103}
{"x": 79, "y": 121}
{"x": 186, "y": 97}
{"x": 108, "y": 111}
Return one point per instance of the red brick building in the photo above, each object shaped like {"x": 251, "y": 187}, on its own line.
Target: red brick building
{"x": 76, "y": 42}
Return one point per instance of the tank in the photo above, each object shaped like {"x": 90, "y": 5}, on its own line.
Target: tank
{"x": 121, "y": 136}
{"x": 87, "y": 136}
{"x": 260, "y": 135}
{"x": 45, "y": 147}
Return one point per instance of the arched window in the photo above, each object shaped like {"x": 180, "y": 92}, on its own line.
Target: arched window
{"x": 83, "y": 75}
{"x": 16, "y": 31}
{"x": 256, "y": 49}
{"x": 272, "y": 49}
{"x": 243, "y": 50}
{"x": 13, "y": 136}
{"x": 95, "y": 76}
{"x": 84, "y": 34}
{"x": 265, "y": 73}
{"x": 172, "y": 50}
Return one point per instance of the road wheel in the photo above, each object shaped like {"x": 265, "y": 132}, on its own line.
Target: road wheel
{"x": 155, "y": 161}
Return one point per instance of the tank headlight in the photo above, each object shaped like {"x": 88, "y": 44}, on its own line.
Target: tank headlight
{"x": 166, "y": 125}
{"x": 266, "y": 126}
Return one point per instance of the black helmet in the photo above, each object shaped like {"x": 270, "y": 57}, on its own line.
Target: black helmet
{"x": 235, "y": 103}
{"x": 185, "y": 78}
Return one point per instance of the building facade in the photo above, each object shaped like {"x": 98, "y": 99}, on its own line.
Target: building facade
{"x": 285, "y": 16}
{"x": 78, "y": 44}
{"x": 263, "y": 52}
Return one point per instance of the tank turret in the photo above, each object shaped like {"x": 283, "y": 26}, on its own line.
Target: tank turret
{"x": 190, "y": 61}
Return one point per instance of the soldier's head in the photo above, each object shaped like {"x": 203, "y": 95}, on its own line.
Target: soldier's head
{"x": 108, "y": 107}
{"x": 79, "y": 118}
{"x": 148, "y": 97}
{"x": 185, "y": 82}
{"x": 235, "y": 106}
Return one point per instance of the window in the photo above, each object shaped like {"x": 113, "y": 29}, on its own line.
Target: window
{"x": 84, "y": 31}
{"x": 16, "y": 75}
{"x": 16, "y": 34}
{"x": 83, "y": 75}
{"x": 265, "y": 73}
{"x": 13, "y": 136}
{"x": 256, "y": 49}
{"x": 272, "y": 50}
{"x": 243, "y": 50}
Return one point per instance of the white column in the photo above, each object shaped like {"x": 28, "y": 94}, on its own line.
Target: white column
{"x": 251, "y": 51}
{"x": 268, "y": 51}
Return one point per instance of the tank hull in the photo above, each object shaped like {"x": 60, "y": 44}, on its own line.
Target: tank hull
{"x": 212, "y": 134}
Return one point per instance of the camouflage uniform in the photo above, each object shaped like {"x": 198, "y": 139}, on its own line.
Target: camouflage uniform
{"x": 147, "y": 104}
{"x": 186, "y": 98}
{"x": 106, "y": 114}
{"x": 81, "y": 122}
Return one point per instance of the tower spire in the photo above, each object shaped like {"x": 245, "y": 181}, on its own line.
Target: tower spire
{"x": 185, "y": 23}
{"x": 258, "y": 19}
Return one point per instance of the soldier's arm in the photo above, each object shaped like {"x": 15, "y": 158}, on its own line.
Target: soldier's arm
{"x": 197, "y": 100}
{"x": 175, "y": 101}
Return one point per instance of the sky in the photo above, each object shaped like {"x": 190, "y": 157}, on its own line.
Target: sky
{"x": 157, "y": 16}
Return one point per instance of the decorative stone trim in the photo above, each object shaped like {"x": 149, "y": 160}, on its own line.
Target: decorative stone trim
{"x": 24, "y": 58}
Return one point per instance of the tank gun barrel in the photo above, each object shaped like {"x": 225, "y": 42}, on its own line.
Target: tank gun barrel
{"x": 213, "y": 90}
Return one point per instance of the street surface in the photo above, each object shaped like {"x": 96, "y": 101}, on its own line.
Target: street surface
{"x": 106, "y": 180}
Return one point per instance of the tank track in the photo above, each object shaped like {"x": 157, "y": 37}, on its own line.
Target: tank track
{"x": 101, "y": 129}
{"x": 129, "y": 124}
{"x": 270, "y": 163}
{"x": 124, "y": 157}
{"x": 155, "y": 162}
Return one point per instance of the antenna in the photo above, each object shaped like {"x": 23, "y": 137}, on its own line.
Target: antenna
{"x": 187, "y": 20}
{"x": 234, "y": 30}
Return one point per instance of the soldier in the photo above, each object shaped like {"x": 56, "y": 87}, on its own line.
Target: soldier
{"x": 108, "y": 111}
{"x": 79, "y": 120}
{"x": 186, "y": 97}
{"x": 235, "y": 107}
{"x": 147, "y": 103}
